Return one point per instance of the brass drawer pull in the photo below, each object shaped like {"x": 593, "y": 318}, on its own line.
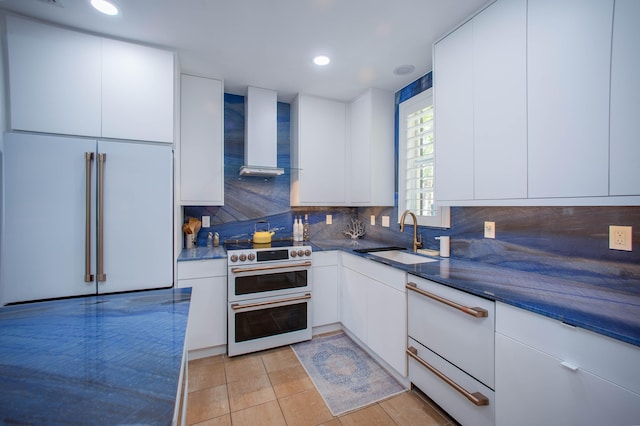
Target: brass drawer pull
{"x": 237, "y": 306}
{"x": 474, "y": 312}
{"x": 476, "y": 398}
{"x": 270, "y": 267}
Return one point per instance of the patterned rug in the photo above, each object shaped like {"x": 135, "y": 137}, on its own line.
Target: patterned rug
{"x": 346, "y": 376}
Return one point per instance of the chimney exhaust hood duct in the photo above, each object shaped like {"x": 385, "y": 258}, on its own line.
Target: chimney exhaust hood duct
{"x": 260, "y": 134}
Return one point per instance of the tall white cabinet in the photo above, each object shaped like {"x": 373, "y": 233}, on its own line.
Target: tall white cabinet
{"x": 71, "y": 83}
{"x": 45, "y": 235}
{"x": 201, "y": 141}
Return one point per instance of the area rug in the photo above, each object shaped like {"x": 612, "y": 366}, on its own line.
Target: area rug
{"x": 346, "y": 376}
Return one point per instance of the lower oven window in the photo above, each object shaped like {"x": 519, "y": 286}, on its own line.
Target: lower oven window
{"x": 270, "y": 321}
{"x": 269, "y": 282}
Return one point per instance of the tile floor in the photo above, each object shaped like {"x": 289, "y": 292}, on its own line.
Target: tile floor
{"x": 272, "y": 388}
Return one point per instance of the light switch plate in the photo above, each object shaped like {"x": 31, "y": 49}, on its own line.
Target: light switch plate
{"x": 206, "y": 221}
{"x": 489, "y": 229}
{"x": 385, "y": 221}
{"x": 373, "y": 220}
{"x": 329, "y": 219}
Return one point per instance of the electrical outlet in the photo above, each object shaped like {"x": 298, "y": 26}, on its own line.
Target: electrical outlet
{"x": 620, "y": 237}
{"x": 385, "y": 221}
{"x": 206, "y": 221}
{"x": 373, "y": 220}
{"x": 329, "y": 219}
{"x": 489, "y": 229}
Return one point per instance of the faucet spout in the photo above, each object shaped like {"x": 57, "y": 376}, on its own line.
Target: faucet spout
{"x": 417, "y": 242}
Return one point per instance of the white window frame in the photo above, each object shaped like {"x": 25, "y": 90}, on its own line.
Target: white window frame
{"x": 442, "y": 218}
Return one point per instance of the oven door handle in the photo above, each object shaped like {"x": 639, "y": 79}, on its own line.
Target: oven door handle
{"x": 270, "y": 267}
{"x": 237, "y": 306}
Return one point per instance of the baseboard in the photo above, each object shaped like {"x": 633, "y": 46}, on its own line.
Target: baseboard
{"x": 207, "y": 352}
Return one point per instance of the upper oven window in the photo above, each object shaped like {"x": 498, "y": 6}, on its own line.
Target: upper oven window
{"x": 270, "y": 282}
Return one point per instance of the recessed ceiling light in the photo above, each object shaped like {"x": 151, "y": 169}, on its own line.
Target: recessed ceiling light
{"x": 321, "y": 60}
{"x": 105, "y": 7}
{"x": 404, "y": 69}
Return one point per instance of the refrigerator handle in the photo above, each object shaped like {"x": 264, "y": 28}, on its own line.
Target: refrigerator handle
{"x": 88, "y": 276}
{"x": 100, "y": 215}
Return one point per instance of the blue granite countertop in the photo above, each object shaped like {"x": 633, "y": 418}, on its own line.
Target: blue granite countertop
{"x": 202, "y": 253}
{"x": 112, "y": 359}
{"x": 603, "y": 306}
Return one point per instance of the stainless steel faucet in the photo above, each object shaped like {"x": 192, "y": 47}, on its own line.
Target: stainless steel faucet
{"x": 417, "y": 240}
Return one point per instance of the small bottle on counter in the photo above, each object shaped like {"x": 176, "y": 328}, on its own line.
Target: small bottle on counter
{"x": 216, "y": 239}
{"x": 306, "y": 230}
{"x": 210, "y": 240}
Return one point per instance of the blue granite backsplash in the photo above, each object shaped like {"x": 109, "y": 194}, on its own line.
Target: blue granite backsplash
{"x": 558, "y": 241}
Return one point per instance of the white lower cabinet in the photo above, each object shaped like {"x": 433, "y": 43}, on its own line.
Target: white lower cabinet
{"x": 207, "y": 325}
{"x": 553, "y": 374}
{"x": 451, "y": 349}
{"x": 325, "y": 288}
{"x": 373, "y": 308}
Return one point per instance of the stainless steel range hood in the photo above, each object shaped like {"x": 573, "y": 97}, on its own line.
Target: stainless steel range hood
{"x": 260, "y": 134}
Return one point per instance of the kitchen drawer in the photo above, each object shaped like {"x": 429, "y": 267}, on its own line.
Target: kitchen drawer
{"x": 463, "y": 339}
{"x": 601, "y": 355}
{"x": 202, "y": 268}
{"x": 387, "y": 275}
{"x": 325, "y": 258}
{"x": 444, "y": 394}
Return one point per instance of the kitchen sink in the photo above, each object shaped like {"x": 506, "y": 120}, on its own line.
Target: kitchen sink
{"x": 375, "y": 249}
{"x": 403, "y": 257}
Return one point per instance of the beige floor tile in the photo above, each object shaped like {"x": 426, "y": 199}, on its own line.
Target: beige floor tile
{"x": 279, "y": 359}
{"x": 218, "y": 421}
{"x": 305, "y": 408}
{"x": 288, "y": 381}
{"x": 408, "y": 409}
{"x": 202, "y": 376}
{"x": 373, "y": 415}
{"x": 267, "y": 414}
{"x": 244, "y": 367}
{"x": 207, "y": 403}
{"x": 250, "y": 392}
{"x": 334, "y": 422}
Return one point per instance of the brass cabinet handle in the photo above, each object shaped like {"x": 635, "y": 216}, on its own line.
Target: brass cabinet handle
{"x": 237, "y": 306}
{"x": 476, "y": 398}
{"x": 100, "y": 219}
{"x": 474, "y": 312}
{"x": 269, "y": 267}
{"x": 88, "y": 276}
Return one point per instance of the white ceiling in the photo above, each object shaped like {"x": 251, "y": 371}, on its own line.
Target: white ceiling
{"x": 270, "y": 43}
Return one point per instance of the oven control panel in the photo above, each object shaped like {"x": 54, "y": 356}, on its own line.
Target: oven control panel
{"x": 264, "y": 255}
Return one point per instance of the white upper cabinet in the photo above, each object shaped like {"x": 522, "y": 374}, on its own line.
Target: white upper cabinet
{"x": 371, "y": 149}
{"x": 453, "y": 100}
{"x": 480, "y": 101}
{"x": 500, "y": 101}
{"x": 54, "y": 79}
{"x": 66, "y": 82}
{"x": 569, "y": 60}
{"x": 318, "y": 152}
{"x": 624, "y": 173}
{"x": 201, "y": 141}
{"x": 137, "y": 92}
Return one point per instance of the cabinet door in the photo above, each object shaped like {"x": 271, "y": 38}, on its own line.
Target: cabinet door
{"x": 207, "y": 326}
{"x": 138, "y": 216}
{"x": 137, "y": 92}
{"x": 568, "y": 72}
{"x": 44, "y": 210}
{"x": 353, "y": 303}
{"x": 386, "y": 323}
{"x": 201, "y": 142}
{"x": 371, "y": 152}
{"x": 54, "y": 79}
{"x": 624, "y": 173}
{"x": 453, "y": 103}
{"x": 534, "y": 388}
{"x": 325, "y": 295}
{"x": 318, "y": 152}
{"x": 500, "y": 101}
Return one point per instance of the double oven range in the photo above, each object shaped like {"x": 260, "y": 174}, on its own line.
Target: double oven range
{"x": 269, "y": 294}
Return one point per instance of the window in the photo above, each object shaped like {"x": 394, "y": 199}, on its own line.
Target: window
{"x": 416, "y": 177}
